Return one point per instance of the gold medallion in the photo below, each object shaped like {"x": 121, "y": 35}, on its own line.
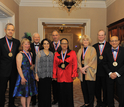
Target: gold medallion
{"x": 63, "y": 66}
{"x": 10, "y": 54}
{"x": 115, "y": 64}
{"x": 100, "y": 57}
{"x": 82, "y": 61}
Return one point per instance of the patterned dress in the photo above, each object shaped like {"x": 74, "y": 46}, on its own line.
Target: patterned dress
{"x": 29, "y": 89}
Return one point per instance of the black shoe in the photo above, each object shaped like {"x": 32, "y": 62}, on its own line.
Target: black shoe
{"x": 98, "y": 105}
{"x": 54, "y": 102}
{"x": 33, "y": 103}
{"x": 84, "y": 106}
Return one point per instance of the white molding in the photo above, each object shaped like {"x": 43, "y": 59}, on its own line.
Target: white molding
{"x": 49, "y": 3}
{"x": 17, "y": 1}
{"x": 6, "y": 10}
{"x": 109, "y": 2}
{"x": 61, "y": 21}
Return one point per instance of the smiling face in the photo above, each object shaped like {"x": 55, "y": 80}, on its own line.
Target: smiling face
{"x": 101, "y": 36}
{"x": 85, "y": 42}
{"x": 55, "y": 36}
{"x": 46, "y": 45}
{"x": 36, "y": 38}
{"x": 114, "y": 41}
{"x": 26, "y": 45}
{"x": 9, "y": 31}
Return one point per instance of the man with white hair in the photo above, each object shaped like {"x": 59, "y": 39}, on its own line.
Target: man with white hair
{"x": 34, "y": 50}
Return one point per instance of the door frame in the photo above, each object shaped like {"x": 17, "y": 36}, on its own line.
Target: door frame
{"x": 41, "y": 30}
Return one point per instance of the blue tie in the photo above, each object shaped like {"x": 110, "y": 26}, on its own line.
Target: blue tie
{"x": 114, "y": 50}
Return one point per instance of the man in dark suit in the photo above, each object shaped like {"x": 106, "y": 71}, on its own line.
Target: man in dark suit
{"x": 34, "y": 50}
{"x": 101, "y": 84}
{"x": 55, "y": 44}
{"x": 114, "y": 66}
{"x": 9, "y": 47}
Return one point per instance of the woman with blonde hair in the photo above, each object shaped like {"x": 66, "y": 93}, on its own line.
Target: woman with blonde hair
{"x": 87, "y": 63}
{"x": 25, "y": 86}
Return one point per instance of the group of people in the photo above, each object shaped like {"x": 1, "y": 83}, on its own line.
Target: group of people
{"x": 52, "y": 63}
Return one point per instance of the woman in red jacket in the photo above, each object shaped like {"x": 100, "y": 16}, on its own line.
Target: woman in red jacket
{"x": 65, "y": 71}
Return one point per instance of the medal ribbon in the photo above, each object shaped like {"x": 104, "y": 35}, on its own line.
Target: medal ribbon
{"x": 63, "y": 56}
{"x": 84, "y": 53}
{"x": 36, "y": 50}
{"x": 9, "y": 46}
{"x": 29, "y": 57}
{"x": 101, "y": 50}
{"x": 56, "y": 47}
{"x": 115, "y": 56}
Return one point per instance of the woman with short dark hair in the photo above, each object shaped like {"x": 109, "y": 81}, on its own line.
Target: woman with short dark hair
{"x": 65, "y": 71}
{"x": 43, "y": 71}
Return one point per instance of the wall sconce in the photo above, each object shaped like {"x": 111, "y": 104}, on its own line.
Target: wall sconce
{"x": 80, "y": 37}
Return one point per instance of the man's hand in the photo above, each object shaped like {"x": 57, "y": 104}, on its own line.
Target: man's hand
{"x": 113, "y": 75}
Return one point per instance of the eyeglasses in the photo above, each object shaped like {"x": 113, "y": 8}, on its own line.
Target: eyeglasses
{"x": 114, "y": 41}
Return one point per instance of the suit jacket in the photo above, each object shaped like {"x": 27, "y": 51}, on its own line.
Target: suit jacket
{"x": 100, "y": 69}
{"x": 90, "y": 60}
{"x": 65, "y": 74}
{"x": 8, "y": 64}
{"x": 108, "y": 64}
{"x": 33, "y": 51}
{"x": 53, "y": 49}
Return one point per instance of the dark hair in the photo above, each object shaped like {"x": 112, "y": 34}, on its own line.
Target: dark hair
{"x": 67, "y": 42}
{"x": 41, "y": 44}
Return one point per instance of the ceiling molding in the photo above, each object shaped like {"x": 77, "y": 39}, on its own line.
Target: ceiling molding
{"x": 109, "y": 2}
{"x": 18, "y": 2}
{"x": 49, "y": 3}
{"x": 6, "y": 10}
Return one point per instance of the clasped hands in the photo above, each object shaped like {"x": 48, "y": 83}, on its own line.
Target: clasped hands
{"x": 82, "y": 70}
{"x": 113, "y": 75}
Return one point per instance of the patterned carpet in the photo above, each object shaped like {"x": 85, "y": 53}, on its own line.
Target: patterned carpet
{"x": 78, "y": 97}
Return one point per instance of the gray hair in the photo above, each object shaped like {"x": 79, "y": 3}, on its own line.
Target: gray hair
{"x": 8, "y": 25}
{"x": 35, "y": 33}
{"x": 101, "y": 30}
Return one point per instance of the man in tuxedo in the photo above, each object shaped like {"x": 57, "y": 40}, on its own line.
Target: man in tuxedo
{"x": 114, "y": 66}
{"x": 9, "y": 47}
{"x": 55, "y": 44}
{"x": 100, "y": 47}
{"x": 34, "y": 50}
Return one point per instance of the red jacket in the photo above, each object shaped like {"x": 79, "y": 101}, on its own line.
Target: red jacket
{"x": 65, "y": 74}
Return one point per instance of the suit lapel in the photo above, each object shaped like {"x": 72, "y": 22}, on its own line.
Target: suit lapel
{"x": 119, "y": 53}
{"x": 5, "y": 45}
{"x": 14, "y": 48}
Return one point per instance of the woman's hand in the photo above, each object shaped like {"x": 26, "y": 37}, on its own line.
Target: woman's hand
{"x": 36, "y": 77}
{"x": 82, "y": 70}
{"x": 54, "y": 79}
{"x": 23, "y": 81}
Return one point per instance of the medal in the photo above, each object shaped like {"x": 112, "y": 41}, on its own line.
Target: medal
{"x": 100, "y": 57}
{"x": 10, "y": 54}
{"x": 63, "y": 66}
{"x": 101, "y": 51}
{"x": 63, "y": 58}
{"x": 82, "y": 61}
{"x": 56, "y": 47}
{"x": 115, "y": 64}
{"x": 29, "y": 57}
{"x": 31, "y": 67}
{"x": 115, "y": 58}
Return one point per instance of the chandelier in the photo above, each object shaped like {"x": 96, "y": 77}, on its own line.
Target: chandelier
{"x": 68, "y": 4}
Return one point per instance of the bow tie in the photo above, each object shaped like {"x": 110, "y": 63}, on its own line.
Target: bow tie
{"x": 101, "y": 43}
{"x": 114, "y": 50}
{"x": 10, "y": 40}
{"x": 36, "y": 45}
